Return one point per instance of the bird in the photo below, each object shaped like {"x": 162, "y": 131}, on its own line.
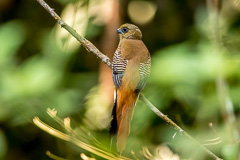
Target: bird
{"x": 130, "y": 70}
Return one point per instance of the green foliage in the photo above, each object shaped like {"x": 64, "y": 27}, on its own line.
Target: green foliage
{"x": 3, "y": 145}
{"x": 194, "y": 80}
{"x": 12, "y": 35}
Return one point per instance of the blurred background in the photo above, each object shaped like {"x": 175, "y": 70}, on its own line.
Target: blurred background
{"x": 195, "y": 77}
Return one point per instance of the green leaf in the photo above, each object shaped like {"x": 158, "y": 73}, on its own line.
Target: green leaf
{"x": 12, "y": 35}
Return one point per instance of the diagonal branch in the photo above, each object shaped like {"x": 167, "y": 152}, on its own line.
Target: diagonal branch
{"x": 86, "y": 44}
{"x": 169, "y": 121}
{"x": 91, "y": 48}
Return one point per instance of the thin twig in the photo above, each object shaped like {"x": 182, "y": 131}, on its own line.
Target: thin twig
{"x": 159, "y": 113}
{"x": 86, "y": 44}
{"x": 91, "y": 48}
{"x": 169, "y": 121}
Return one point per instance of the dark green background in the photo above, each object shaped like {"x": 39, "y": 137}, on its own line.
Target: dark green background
{"x": 187, "y": 61}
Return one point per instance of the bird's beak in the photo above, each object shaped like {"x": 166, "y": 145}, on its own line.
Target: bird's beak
{"x": 119, "y": 31}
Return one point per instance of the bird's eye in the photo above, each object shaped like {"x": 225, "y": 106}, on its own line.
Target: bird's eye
{"x": 124, "y": 29}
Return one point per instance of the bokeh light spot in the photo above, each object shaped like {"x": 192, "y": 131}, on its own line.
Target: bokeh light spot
{"x": 141, "y": 12}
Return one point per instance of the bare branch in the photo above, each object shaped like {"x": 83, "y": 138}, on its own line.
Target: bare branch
{"x": 86, "y": 44}
{"x": 169, "y": 121}
{"x": 159, "y": 113}
{"x": 91, "y": 48}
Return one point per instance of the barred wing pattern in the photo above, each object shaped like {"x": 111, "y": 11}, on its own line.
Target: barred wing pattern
{"x": 145, "y": 69}
{"x": 119, "y": 66}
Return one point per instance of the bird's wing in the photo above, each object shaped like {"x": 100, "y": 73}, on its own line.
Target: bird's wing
{"x": 119, "y": 66}
{"x": 144, "y": 69}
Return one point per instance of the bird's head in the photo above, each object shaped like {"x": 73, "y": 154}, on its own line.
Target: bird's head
{"x": 129, "y": 31}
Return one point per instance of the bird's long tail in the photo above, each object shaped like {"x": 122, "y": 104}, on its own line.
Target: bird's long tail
{"x": 124, "y": 113}
{"x": 114, "y": 125}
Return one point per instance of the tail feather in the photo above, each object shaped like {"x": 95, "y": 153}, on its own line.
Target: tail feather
{"x": 124, "y": 128}
{"x": 125, "y": 109}
{"x": 122, "y": 114}
{"x": 114, "y": 125}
